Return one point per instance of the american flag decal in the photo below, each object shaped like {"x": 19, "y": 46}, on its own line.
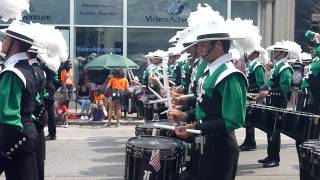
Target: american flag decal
{"x": 144, "y": 98}
{"x": 155, "y": 160}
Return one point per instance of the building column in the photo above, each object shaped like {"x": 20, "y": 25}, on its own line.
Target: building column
{"x": 284, "y": 18}
{"x": 266, "y": 26}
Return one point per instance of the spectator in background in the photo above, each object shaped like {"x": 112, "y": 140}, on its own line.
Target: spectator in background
{"x": 62, "y": 113}
{"x": 83, "y": 96}
{"x": 117, "y": 85}
{"x": 98, "y": 105}
{"x": 98, "y": 111}
{"x": 107, "y": 92}
{"x": 67, "y": 82}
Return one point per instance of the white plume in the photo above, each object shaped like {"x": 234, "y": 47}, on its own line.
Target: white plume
{"x": 50, "y": 39}
{"x": 204, "y": 14}
{"x": 175, "y": 38}
{"x": 12, "y": 9}
{"x": 53, "y": 63}
{"x": 1, "y": 54}
{"x": 292, "y": 48}
{"x": 235, "y": 53}
{"x": 244, "y": 28}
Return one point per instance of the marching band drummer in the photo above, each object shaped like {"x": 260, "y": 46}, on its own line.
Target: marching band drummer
{"x": 18, "y": 90}
{"x": 256, "y": 76}
{"x": 221, "y": 106}
{"x": 310, "y": 88}
{"x": 279, "y": 87}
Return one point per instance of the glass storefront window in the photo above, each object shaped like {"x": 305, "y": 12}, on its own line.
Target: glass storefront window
{"x": 143, "y": 41}
{"x": 92, "y": 42}
{"x": 48, "y": 12}
{"x": 99, "y": 12}
{"x": 172, "y": 13}
{"x": 245, "y": 10}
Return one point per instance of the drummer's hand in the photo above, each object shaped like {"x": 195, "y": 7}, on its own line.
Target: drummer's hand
{"x": 177, "y": 115}
{"x": 181, "y": 131}
{"x": 263, "y": 93}
{"x": 153, "y": 80}
{"x": 179, "y": 90}
{"x": 180, "y": 100}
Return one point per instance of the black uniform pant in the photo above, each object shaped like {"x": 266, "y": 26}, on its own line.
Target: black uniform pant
{"x": 274, "y": 144}
{"x": 220, "y": 159}
{"x": 40, "y": 154}
{"x": 51, "y": 118}
{"x": 22, "y": 167}
{"x": 250, "y": 135}
{"x": 274, "y": 137}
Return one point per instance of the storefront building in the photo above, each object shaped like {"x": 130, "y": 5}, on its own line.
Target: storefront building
{"x": 135, "y": 27}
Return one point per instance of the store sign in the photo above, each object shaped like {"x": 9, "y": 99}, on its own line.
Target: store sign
{"x": 82, "y": 49}
{"x": 97, "y": 12}
{"x": 167, "y": 12}
{"x": 48, "y": 12}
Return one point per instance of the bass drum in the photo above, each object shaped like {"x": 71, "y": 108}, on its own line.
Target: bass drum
{"x": 153, "y": 158}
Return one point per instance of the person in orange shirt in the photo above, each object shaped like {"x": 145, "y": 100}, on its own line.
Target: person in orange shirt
{"x": 118, "y": 85}
{"x": 67, "y": 83}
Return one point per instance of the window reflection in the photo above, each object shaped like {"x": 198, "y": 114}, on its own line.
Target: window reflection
{"x": 245, "y": 10}
{"x": 93, "y": 42}
{"x": 142, "y": 41}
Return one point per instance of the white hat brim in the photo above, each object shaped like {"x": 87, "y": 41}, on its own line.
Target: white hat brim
{"x": 4, "y": 31}
{"x": 214, "y": 39}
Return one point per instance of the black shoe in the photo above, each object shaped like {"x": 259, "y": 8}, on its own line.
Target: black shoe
{"x": 49, "y": 138}
{"x": 262, "y": 161}
{"x": 271, "y": 164}
{"x": 248, "y": 146}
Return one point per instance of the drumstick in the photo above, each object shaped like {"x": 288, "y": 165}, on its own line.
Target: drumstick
{"x": 159, "y": 82}
{"x": 193, "y": 131}
{"x": 155, "y": 93}
{"x": 173, "y": 83}
{"x": 164, "y": 100}
{"x": 166, "y": 84}
{"x": 187, "y": 96}
{"x": 163, "y": 112}
{"x": 250, "y": 97}
{"x": 157, "y": 101}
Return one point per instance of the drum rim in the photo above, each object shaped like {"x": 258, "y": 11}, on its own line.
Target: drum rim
{"x": 174, "y": 150}
{"x": 158, "y": 121}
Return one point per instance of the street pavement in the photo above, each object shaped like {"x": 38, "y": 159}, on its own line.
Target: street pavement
{"x": 95, "y": 152}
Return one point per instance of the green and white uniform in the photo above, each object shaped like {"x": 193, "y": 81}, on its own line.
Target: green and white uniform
{"x": 280, "y": 86}
{"x": 220, "y": 109}
{"x": 280, "y": 77}
{"x": 310, "y": 99}
{"x": 256, "y": 74}
{"x": 176, "y": 73}
{"x": 186, "y": 75}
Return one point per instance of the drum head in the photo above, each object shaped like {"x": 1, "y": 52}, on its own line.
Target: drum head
{"x": 151, "y": 142}
{"x": 151, "y": 124}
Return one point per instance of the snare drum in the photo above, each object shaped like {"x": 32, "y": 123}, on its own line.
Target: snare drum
{"x": 138, "y": 155}
{"x": 261, "y": 117}
{"x": 147, "y": 127}
{"x": 310, "y": 158}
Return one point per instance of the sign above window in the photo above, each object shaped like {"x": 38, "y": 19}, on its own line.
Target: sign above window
{"x": 48, "y": 12}
{"x": 172, "y": 13}
{"x": 99, "y": 12}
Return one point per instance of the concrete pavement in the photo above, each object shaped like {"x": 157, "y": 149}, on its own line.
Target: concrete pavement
{"x": 98, "y": 153}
